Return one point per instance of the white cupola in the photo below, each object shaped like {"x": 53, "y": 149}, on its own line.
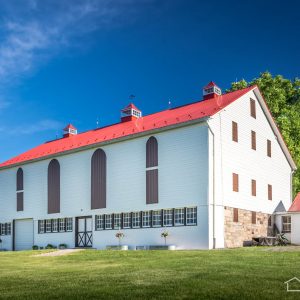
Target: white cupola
{"x": 211, "y": 91}
{"x": 130, "y": 113}
{"x": 69, "y": 130}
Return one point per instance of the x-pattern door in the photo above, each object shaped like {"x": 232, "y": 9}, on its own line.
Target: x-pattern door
{"x": 84, "y": 234}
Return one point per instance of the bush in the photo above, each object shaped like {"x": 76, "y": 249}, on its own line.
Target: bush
{"x": 49, "y": 246}
{"x": 62, "y": 246}
{"x": 35, "y": 247}
{"x": 41, "y": 248}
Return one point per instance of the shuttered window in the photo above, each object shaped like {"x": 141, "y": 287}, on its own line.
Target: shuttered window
{"x": 53, "y": 187}
{"x": 235, "y": 182}
{"x": 235, "y": 215}
{"x": 253, "y": 187}
{"x": 20, "y": 190}
{"x": 235, "y": 137}
{"x": 151, "y": 171}
{"x": 269, "y": 148}
{"x": 253, "y": 140}
{"x": 98, "y": 180}
{"x": 253, "y": 108}
{"x": 253, "y": 217}
{"x": 270, "y": 192}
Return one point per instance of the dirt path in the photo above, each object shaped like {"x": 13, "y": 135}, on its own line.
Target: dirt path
{"x": 60, "y": 252}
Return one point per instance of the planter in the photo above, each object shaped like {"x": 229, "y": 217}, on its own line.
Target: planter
{"x": 114, "y": 247}
{"x": 162, "y": 247}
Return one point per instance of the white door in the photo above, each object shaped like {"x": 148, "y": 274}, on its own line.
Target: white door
{"x": 23, "y": 234}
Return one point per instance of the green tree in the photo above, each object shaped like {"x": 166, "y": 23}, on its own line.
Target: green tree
{"x": 283, "y": 98}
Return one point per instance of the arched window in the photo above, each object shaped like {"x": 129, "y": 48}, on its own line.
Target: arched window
{"x": 20, "y": 190}
{"x": 151, "y": 171}
{"x": 53, "y": 187}
{"x": 98, "y": 180}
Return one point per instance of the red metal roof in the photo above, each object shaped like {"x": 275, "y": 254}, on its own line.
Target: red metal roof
{"x": 295, "y": 207}
{"x": 158, "y": 120}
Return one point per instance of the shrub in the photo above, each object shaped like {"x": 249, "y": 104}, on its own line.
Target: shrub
{"x": 62, "y": 246}
{"x": 41, "y": 248}
{"x": 35, "y": 247}
{"x": 49, "y": 246}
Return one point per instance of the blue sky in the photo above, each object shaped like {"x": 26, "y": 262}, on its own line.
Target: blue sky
{"x": 76, "y": 61}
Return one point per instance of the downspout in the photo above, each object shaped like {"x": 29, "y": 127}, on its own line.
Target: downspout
{"x": 291, "y": 184}
{"x": 214, "y": 202}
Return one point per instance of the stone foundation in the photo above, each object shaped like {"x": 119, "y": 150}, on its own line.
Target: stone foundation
{"x": 238, "y": 234}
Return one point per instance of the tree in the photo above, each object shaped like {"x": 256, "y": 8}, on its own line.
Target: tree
{"x": 283, "y": 98}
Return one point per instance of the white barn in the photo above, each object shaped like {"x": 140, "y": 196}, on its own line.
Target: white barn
{"x": 211, "y": 173}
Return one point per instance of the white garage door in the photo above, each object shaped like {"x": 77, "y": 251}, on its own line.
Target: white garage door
{"x": 24, "y": 234}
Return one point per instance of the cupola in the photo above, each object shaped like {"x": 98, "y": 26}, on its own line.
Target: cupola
{"x": 211, "y": 91}
{"x": 69, "y": 130}
{"x": 130, "y": 113}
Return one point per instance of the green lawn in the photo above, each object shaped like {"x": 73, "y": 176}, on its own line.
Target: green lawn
{"x": 248, "y": 273}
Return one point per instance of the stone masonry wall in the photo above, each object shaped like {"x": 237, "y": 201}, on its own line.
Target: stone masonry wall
{"x": 237, "y": 233}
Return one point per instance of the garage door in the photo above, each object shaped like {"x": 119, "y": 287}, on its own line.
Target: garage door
{"x": 24, "y": 234}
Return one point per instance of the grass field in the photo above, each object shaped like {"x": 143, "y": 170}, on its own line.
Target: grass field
{"x": 248, "y": 273}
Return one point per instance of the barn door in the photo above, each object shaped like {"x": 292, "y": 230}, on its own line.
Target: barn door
{"x": 84, "y": 232}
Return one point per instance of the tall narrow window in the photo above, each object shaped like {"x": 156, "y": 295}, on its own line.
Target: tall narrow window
{"x": 253, "y": 217}
{"x": 270, "y": 192}
{"x": 253, "y": 187}
{"x": 151, "y": 171}
{"x": 98, "y": 180}
{"x": 53, "y": 187}
{"x": 235, "y": 215}
{"x": 235, "y": 136}
{"x": 20, "y": 190}
{"x": 253, "y": 140}
{"x": 235, "y": 182}
{"x": 269, "y": 148}
{"x": 252, "y": 108}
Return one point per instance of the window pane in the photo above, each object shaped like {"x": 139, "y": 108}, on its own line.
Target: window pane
{"x": 41, "y": 226}
{"x": 48, "y": 226}
{"x": 108, "y": 221}
{"x": 179, "y": 216}
{"x": 146, "y": 218}
{"x": 100, "y": 222}
{"x": 69, "y": 224}
{"x": 156, "y": 218}
{"x": 168, "y": 217}
{"x": 126, "y": 220}
{"x": 136, "y": 219}
{"x": 62, "y": 226}
{"x": 191, "y": 216}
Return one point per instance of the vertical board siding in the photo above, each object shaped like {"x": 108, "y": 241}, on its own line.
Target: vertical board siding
{"x": 253, "y": 140}
{"x": 53, "y": 187}
{"x": 20, "y": 185}
{"x": 98, "y": 180}
{"x": 151, "y": 153}
{"x": 20, "y": 201}
{"x": 20, "y": 188}
{"x": 152, "y": 186}
{"x": 253, "y": 108}
{"x": 235, "y": 137}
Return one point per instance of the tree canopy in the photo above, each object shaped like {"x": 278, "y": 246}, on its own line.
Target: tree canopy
{"x": 283, "y": 98}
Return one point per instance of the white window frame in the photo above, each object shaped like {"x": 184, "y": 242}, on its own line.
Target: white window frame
{"x": 108, "y": 221}
{"x": 8, "y": 229}
{"x": 62, "y": 225}
{"x": 100, "y": 222}
{"x": 146, "y": 219}
{"x": 286, "y": 225}
{"x": 41, "y": 224}
{"x": 136, "y": 219}
{"x": 168, "y": 217}
{"x": 126, "y": 220}
{"x": 69, "y": 224}
{"x": 54, "y": 225}
{"x": 191, "y": 216}
{"x": 117, "y": 217}
{"x": 156, "y": 218}
{"x": 179, "y": 216}
{"x": 48, "y": 226}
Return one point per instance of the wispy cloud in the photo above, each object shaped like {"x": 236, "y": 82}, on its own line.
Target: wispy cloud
{"x": 34, "y": 31}
{"x": 27, "y": 129}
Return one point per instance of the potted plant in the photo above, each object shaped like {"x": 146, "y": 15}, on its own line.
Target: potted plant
{"x": 119, "y": 236}
{"x": 165, "y": 234}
